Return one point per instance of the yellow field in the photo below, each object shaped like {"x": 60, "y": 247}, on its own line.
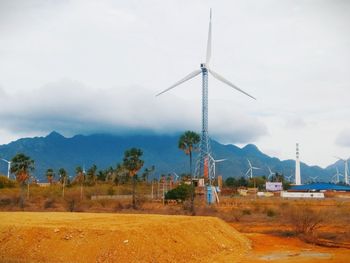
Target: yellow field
{"x": 88, "y": 237}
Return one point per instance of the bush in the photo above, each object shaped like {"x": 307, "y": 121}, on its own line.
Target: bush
{"x": 304, "y": 220}
{"x": 182, "y": 192}
{"x": 246, "y": 212}
{"x": 270, "y": 213}
{"x": 49, "y": 203}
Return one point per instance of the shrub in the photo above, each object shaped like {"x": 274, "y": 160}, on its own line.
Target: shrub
{"x": 6, "y": 183}
{"x": 246, "y": 212}
{"x": 304, "y": 220}
{"x": 182, "y": 192}
{"x": 49, "y": 203}
{"x": 270, "y": 213}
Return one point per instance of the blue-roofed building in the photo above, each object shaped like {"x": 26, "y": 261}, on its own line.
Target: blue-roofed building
{"x": 317, "y": 187}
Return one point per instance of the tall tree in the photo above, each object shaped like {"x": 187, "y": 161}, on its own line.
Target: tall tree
{"x": 188, "y": 142}
{"x": 80, "y": 178}
{"x": 91, "y": 175}
{"x": 133, "y": 164}
{"x": 50, "y": 174}
{"x": 21, "y": 166}
{"x": 63, "y": 178}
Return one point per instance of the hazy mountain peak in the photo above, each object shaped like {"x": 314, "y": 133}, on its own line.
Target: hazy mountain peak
{"x": 54, "y": 135}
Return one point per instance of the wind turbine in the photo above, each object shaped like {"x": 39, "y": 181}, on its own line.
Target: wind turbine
{"x": 176, "y": 176}
{"x": 8, "y": 167}
{"x": 289, "y": 178}
{"x": 271, "y": 174}
{"x": 204, "y": 161}
{"x": 313, "y": 178}
{"x": 346, "y": 169}
{"x": 213, "y": 164}
{"x": 336, "y": 176}
{"x": 250, "y": 170}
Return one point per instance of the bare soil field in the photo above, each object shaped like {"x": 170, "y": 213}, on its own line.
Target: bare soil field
{"x": 284, "y": 249}
{"x": 88, "y": 237}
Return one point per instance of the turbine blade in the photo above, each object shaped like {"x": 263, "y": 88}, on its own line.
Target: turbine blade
{"x": 209, "y": 42}
{"x": 188, "y": 77}
{"x": 222, "y": 79}
{"x": 250, "y": 165}
{"x": 219, "y": 161}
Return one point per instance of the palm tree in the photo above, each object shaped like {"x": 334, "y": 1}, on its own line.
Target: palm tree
{"x": 91, "y": 175}
{"x": 133, "y": 164}
{"x": 188, "y": 142}
{"x": 63, "y": 177}
{"x": 50, "y": 175}
{"x": 21, "y": 165}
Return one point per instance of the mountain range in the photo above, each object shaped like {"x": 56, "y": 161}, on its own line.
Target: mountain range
{"x": 104, "y": 150}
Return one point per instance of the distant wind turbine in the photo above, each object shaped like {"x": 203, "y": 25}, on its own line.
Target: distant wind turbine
{"x": 313, "y": 178}
{"x": 250, "y": 170}
{"x": 214, "y": 167}
{"x": 289, "y": 178}
{"x": 346, "y": 169}
{"x": 271, "y": 174}
{"x": 176, "y": 176}
{"x": 336, "y": 176}
{"x": 204, "y": 161}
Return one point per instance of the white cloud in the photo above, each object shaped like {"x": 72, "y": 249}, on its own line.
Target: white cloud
{"x": 71, "y": 107}
{"x": 343, "y": 138}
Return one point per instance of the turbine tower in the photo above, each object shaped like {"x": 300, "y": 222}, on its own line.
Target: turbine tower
{"x": 204, "y": 162}
{"x": 8, "y": 167}
{"x": 297, "y": 167}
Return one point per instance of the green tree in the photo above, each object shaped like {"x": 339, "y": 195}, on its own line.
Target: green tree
{"x": 231, "y": 182}
{"x": 21, "y": 166}
{"x": 50, "y": 174}
{"x": 133, "y": 164}
{"x": 181, "y": 192}
{"x": 258, "y": 182}
{"x": 188, "y": 142}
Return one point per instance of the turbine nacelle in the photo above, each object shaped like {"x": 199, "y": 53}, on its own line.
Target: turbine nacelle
{"x": 204, "y": 66}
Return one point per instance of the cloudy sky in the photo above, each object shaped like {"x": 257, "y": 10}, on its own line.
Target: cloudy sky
{"x": 95, "y": 66}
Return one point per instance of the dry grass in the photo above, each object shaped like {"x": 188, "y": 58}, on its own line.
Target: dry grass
{"x": 304, "y": 218}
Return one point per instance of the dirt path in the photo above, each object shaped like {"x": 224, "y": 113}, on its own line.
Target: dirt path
{"x": 87, "y": 237}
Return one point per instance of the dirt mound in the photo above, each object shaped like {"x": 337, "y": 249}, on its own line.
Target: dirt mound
{"x": 87, "y": 237}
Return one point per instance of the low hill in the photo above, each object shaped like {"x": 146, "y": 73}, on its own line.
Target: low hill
{"x": 56, "y": 151}
{"x": 87, "y": 237}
